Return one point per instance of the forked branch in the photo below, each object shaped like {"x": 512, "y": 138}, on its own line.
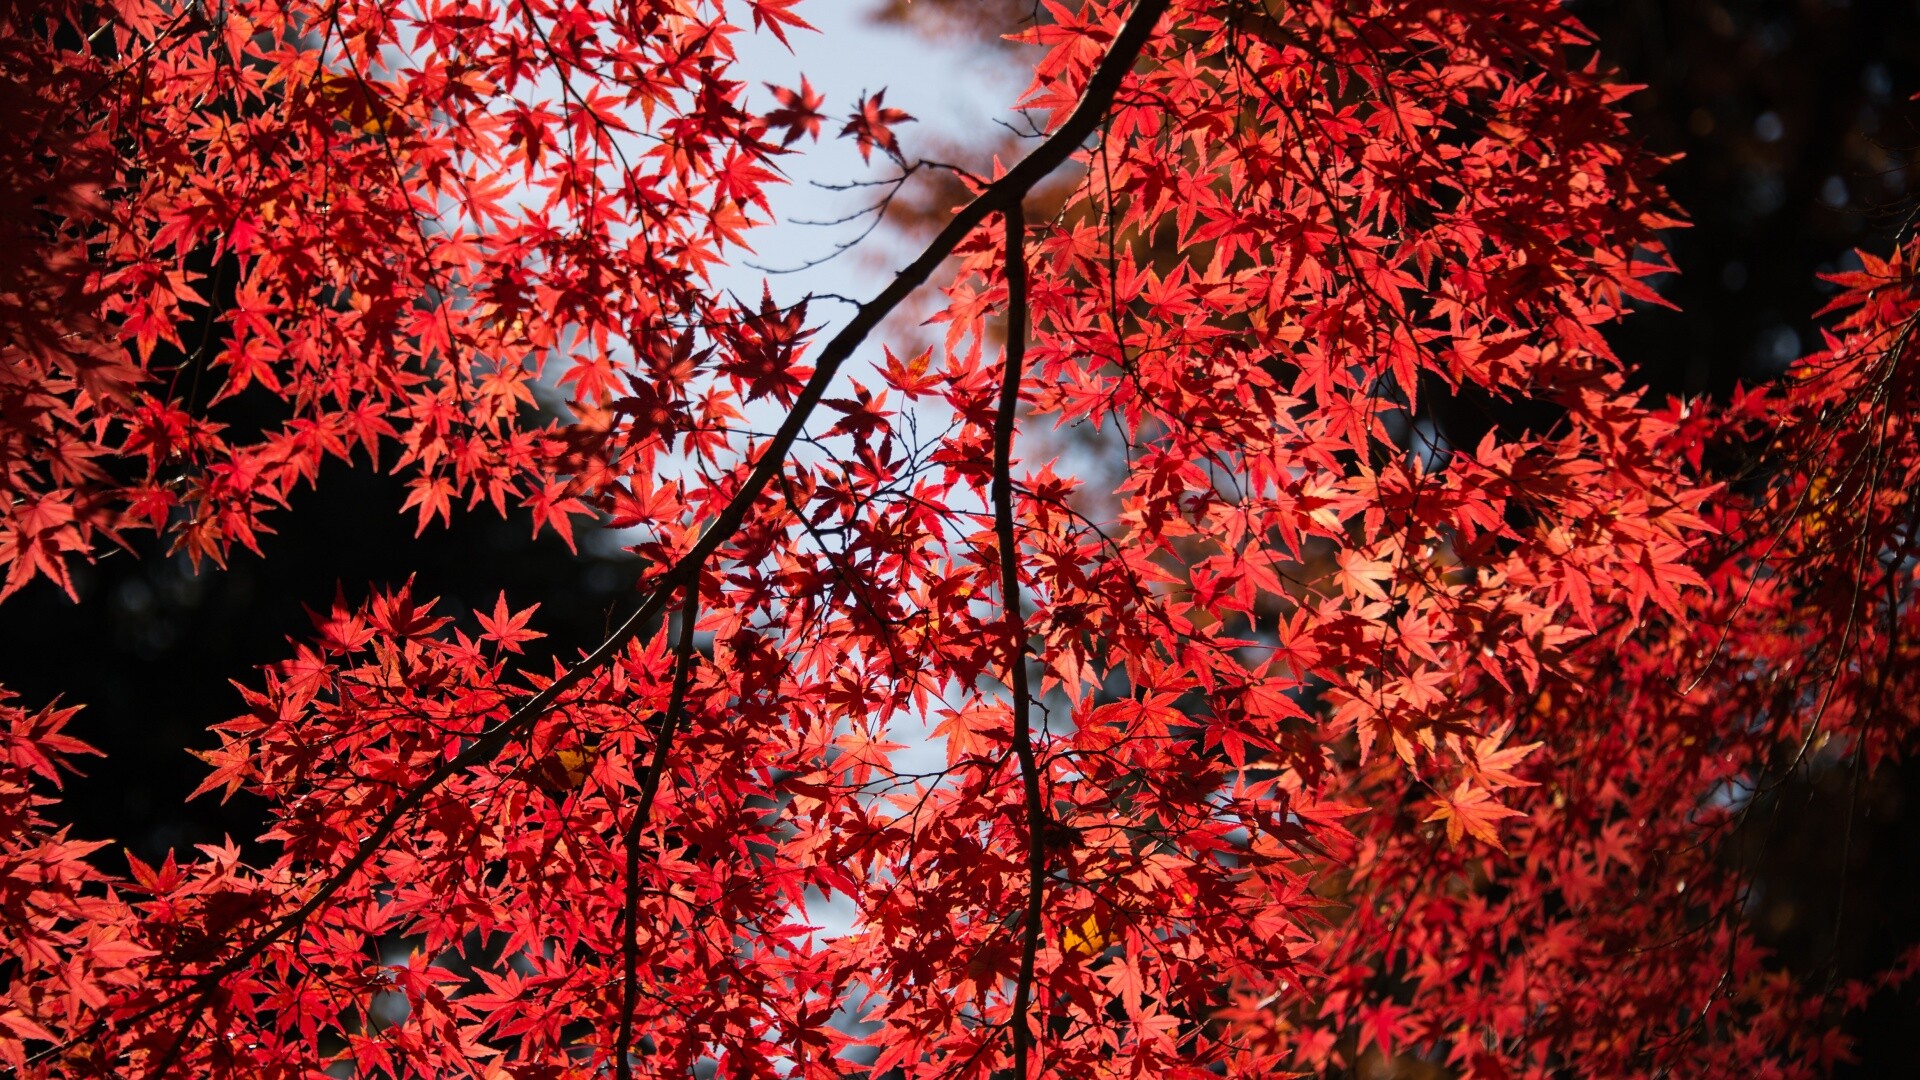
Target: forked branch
{"x": 998, "y": 197}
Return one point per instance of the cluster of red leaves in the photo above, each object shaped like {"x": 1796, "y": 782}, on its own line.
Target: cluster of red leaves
{"x": 1611, "y": 935}
{"x": 373, "y": 251}
{"x": 1350, "y": 740}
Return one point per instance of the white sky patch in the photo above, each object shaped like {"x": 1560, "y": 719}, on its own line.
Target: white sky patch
{"x": 955, "y": 91}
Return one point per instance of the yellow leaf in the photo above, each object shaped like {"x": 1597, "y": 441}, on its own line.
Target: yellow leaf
{"x": 362, "y": 104}
{"x": 1471, "y": 811}
{"x": 565, "y": 770}
{"x": 1091, "y": 935}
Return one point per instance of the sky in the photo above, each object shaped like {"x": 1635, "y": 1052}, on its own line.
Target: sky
{"x": 956, "y": 93}
{"x": 952, "y": 90}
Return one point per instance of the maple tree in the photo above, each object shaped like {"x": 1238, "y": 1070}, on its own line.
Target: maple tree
{"x": 1321, "y": 735}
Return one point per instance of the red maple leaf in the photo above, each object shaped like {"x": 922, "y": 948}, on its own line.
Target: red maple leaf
{"x": 508, "y": 628}
{"x": 799, "y": 112}
{"x": 773, "y": 13}
{"x": 872, "y": 125}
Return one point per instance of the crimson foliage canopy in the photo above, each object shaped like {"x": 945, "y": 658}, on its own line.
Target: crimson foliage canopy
{"x": 1266, "y": 728}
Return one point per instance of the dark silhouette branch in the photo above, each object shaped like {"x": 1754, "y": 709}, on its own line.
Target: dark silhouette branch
{"x": 642, "y": 812}
{"x": 997, "y": 197}
{"x": 1008, "y": 542}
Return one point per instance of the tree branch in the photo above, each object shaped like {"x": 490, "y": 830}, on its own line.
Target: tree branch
{"x": 649, "y": 787}
{"x": 997, "y": 197}
{"x": 1016, "y": 625}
